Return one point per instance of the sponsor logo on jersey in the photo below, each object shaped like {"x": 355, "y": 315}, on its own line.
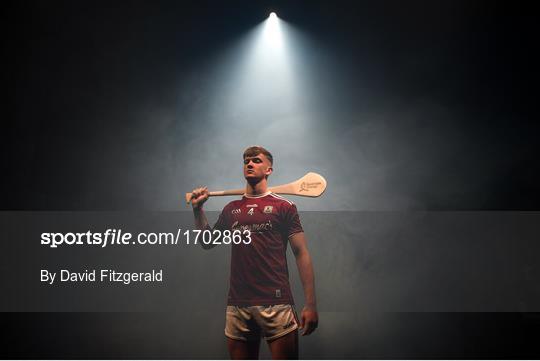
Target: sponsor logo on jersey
{"x": 236, "y": 211}
{"x": 250, "y": 212}
{"x": 268, "y": 209}
{"x": 256, "y": 227}
{"x": 251, "y": 205}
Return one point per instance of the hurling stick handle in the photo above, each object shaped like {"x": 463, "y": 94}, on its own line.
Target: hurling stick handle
{"x": 231, "y": 192}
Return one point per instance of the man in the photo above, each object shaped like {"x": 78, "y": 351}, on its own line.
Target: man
{"x": 260, "y": 302}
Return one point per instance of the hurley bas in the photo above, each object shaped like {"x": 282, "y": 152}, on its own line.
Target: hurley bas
{"x": 104, "y": 275}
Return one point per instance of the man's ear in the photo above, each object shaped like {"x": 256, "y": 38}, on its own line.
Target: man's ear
{"x": 269, "y": 171}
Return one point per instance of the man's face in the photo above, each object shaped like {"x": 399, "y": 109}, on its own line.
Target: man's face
{"x": 257, "y": 167}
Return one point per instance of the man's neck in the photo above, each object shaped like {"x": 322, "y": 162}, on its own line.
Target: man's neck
{"x": 258, "y": 188}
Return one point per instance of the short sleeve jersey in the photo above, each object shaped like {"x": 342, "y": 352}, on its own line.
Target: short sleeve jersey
{"x": 259, "y": 273}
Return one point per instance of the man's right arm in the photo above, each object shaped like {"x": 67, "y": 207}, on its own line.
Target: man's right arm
{"x": 198, "y": 197}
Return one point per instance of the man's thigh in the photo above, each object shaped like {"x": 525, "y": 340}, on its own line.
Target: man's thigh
{"x": 242, "y": 350}
{"x": 285, "y": 347}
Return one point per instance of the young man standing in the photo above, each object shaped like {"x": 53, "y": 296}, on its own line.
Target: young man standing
{"x": 260, "y": 302}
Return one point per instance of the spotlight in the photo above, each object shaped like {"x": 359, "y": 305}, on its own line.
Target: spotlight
{"x": 272, "y": 32}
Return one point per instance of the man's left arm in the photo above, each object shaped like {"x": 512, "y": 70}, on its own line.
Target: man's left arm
{"x": 309, "y": 317}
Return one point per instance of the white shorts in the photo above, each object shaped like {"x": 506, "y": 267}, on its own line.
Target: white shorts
{"x": 253, "y": 322}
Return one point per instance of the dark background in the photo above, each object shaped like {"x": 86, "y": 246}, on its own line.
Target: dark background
{"x": 427, "y": 106}
{"x": 412, "y": 106}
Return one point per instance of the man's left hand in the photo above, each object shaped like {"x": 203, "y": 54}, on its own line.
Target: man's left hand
{"x": 309, "y": 320}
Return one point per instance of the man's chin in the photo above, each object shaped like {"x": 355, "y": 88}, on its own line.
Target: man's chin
{"x": 252, "y": 178}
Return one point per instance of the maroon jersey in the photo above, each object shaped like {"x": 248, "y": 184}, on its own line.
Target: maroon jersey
{"x": 259, "y": 273}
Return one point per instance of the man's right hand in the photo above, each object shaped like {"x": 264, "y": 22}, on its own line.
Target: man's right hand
{"x": 198, "y": 197}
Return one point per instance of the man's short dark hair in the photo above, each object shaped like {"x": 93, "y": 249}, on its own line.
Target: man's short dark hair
{"x": 255, "y": 150}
